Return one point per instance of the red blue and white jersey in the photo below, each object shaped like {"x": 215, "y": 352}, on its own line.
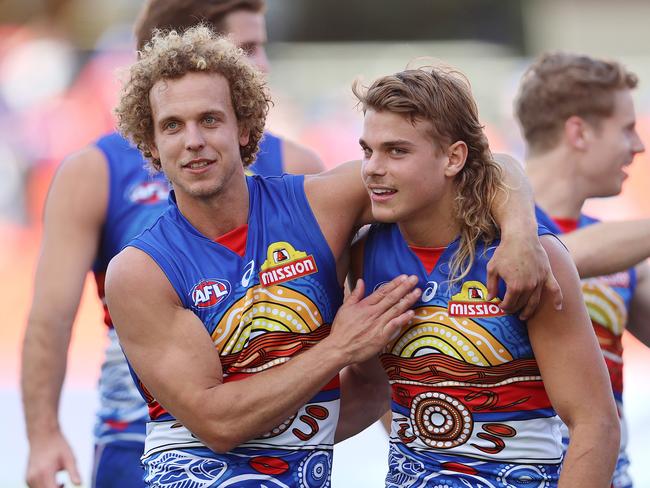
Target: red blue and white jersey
{"x": 137, "y": 197}
{"x": 274, "y": 299}
{"x": 469, "y": 407}
{"x": 608, "y": 300}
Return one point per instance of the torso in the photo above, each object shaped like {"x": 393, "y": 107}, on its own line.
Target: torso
{"x": 137, "y": 197}
{"x": 468, "y": 404}
{"x": 260, "y": 309}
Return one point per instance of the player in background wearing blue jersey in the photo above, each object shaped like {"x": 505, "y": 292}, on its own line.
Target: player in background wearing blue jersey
{"x": 475, "y": 393}
{"x": 578, "y": 119}
{"x": 207, "y": 336}
{"x": 100, "y": 198}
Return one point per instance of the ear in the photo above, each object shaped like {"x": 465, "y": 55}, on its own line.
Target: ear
{"x": 244, "y": 137}
{"x": 456, "y": 157}
{"x": 153, "y": 149}
{"x": 576, "y": 132}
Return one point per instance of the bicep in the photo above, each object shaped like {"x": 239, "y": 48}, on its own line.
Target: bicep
{"x": 166, "y": 344}
{"x": 565, "y": 345}
{"x": 74, "y": 213}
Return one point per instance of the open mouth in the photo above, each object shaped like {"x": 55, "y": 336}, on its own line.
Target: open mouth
{"x": 198, "y": 164}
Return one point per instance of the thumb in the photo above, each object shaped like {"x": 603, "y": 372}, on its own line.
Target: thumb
{"x": 70, "y": 465}
{"x": 357, "y": 293}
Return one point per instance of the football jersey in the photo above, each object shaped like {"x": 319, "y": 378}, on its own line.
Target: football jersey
{"x": 260, "y": 309}
{"x": 137, "y": 196}
{"x": 468, "y": 404}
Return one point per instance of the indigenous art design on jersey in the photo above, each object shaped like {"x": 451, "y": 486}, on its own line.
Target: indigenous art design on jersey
{"x": 468, "y": 404}
{"x": 137, "y": 197}
{"x": 260, "y": 309}
{"x": 608, "y": 301}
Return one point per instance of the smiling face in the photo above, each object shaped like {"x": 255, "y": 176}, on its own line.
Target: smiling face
{"x": 408, "y": 177}
{"x": 613, "y": 144}
{"x": 196, "y": 135}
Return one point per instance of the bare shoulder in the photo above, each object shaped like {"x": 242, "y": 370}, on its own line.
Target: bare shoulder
{"x": 80, "y": 185}
{"x": 134, "y": 273}
{"x": 299, "y": 159}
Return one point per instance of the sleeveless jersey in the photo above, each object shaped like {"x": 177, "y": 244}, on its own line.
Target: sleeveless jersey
{"x": 468, "y": 404}
{"x": 136, "y": 198}
{"x": 261, "y": 309}
{"x": 608, "y": 300}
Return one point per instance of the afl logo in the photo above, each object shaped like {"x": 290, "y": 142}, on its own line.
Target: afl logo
{"x": 149, "y": 192}
{"x": 209, "y": 293}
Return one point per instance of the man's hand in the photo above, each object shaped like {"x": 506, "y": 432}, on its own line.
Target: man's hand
{"x": 362, "y": 327}
{"x": 523, "y": 264}
{"x": 48, "y": 456}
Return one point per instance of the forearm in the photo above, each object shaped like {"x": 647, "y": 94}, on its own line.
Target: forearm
{"x": 591, "y": 457}
{"x": 364, "y": 399}
{"x": 43, "y": 370}
{"x": 608, "y": 247}
{"x": 514, "y": 210}
{"x": 262, "y": 401}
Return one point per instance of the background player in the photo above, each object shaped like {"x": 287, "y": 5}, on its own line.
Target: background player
{"x": 578, "y": 119}
{"x": 100, "y": 198}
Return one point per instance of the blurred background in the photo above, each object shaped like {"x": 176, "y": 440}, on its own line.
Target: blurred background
{"x": 59, "y": 71}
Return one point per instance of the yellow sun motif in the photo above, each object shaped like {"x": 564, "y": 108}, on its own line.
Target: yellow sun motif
{"x": 433, "y": 330}
{"x": 270, "y": 309}
{"x": 604, "y": 305}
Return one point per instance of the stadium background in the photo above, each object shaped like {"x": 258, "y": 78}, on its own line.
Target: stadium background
{"x": 58, "y": 62}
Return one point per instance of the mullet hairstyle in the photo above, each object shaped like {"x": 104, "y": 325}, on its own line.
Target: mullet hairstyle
{"x": 560, "y": 85}
{"x": 180, "y": 15}
{"x": 442, "y": 96}
{"x": 170, "y": 56}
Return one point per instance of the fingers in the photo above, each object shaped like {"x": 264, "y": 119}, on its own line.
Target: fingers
{"x": 70, "y": 465}
{"x": 531, "y": 306}
{"x": 380, "y": 293}
{"x": 400, "y": 291}
{"x": 515, "y": 298}
{"x": 394, "y": 326}
{"x": 357, "y": 293}
{"x": 402, "y": 306}
{"x": 553, "y": 287}
{"x": 492, "y": 281}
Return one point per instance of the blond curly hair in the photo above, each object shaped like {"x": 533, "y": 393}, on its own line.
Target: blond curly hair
{"x": 170, "y": 55}
{"x": 442, "y": 96}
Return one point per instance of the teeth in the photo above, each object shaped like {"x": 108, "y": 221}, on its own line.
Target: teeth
{"x": 200, "y": 164}
{"x": 378, "y": 191}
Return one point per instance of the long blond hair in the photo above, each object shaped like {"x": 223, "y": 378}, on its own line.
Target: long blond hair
{"x": 442, "y": 96}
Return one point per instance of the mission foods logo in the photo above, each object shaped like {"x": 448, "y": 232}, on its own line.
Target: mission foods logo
{"x": 209, "y": 293}
{"x": 284, "y": 263}
{"x": 472, "y": 302}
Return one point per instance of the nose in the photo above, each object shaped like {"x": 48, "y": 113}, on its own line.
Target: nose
{"x": 372, "y": 165}
{"x": 637, "y": 144}
{"x": 194, "y": 140}
{"x": 259, "y": 58}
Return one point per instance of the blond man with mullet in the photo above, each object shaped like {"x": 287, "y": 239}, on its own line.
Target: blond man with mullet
{"x": 476, "y": 393}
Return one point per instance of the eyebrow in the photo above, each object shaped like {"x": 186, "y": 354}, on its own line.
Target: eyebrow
{"x": 389, "y": 144}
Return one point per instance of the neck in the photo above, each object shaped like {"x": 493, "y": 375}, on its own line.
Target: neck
{"x": 436, "y": 226}
{"x": 556, "y": 184}
{"x": 217, "y": 214}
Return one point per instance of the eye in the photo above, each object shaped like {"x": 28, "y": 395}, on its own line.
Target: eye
{"x": 397, "y": 151}
{"x": 210, "y": 119}
{"x": 171, "y": 125}
{"x": 367, "y": 152}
